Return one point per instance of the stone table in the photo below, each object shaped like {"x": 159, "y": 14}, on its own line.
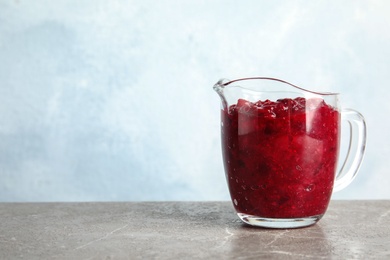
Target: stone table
{"x": 186, "y": 230}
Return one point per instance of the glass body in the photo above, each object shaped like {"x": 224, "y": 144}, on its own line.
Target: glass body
{"x": 280, "y": 146}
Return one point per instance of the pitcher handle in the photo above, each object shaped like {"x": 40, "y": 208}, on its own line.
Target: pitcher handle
{"x": 356, "y": 149}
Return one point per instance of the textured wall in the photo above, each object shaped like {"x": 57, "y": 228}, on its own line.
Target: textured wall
{"x": 113, "y": 100}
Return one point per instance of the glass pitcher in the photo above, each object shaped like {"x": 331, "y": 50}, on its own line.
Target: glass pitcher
{"x": 280, "y": 146}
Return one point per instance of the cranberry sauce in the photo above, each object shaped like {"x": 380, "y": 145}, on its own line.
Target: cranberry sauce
{"x": 280, "y": 156}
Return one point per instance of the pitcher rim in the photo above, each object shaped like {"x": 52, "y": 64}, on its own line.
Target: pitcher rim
{"x": 226, "y": 82}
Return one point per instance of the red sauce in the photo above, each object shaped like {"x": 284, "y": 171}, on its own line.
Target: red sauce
{"x": 280, "y": 156}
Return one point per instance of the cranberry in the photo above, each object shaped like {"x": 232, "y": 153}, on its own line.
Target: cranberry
{"x": 284, "y": 153}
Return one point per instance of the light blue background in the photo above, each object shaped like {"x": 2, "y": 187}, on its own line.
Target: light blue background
{"x": 113, "y": 100}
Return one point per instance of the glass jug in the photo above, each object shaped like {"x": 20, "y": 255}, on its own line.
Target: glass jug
{"x": 280, "y": 146}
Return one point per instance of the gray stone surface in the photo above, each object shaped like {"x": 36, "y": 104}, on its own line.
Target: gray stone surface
{"x": 186, "y": 230}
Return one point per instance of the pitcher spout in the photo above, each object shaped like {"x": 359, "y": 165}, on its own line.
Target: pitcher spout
{"x": 219, "y": 87}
